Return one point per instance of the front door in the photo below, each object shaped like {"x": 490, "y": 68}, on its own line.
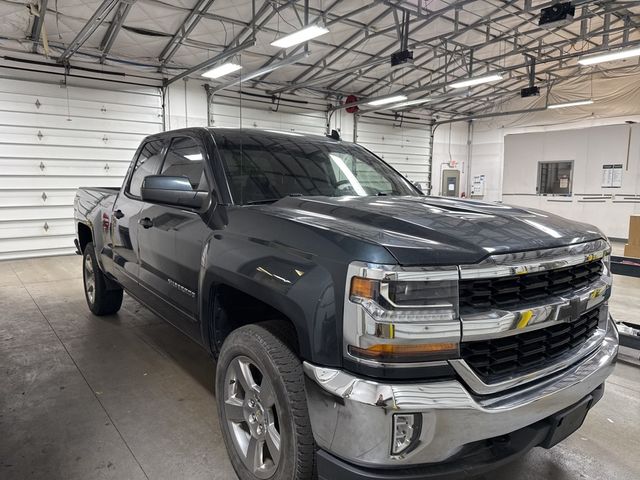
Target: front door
{"x": 124, "y": 219}
{"x": 172, "y": 239}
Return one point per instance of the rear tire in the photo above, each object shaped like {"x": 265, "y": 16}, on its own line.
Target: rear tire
{"x": 101, "y": 299}
{"x": 262, "y": 405}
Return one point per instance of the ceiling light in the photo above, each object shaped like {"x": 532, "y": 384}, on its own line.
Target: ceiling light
{"x": 384, "y": 101}
{"x": 571, "y": 104}
{"x": 470, "y": 82}
{"x": 408, "y": 103}
{"x": 222, "y": 70}
{"x": 295, "y": 38}
{"x": 609, "y": 56}
{"x": 263, "y": 71}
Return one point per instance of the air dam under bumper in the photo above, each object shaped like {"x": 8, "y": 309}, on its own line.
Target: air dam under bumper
{"x": 352, "y": 417}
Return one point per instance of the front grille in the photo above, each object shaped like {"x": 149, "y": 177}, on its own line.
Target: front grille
{"x": 498, "y": 357}
{"x": 503, "y": 292}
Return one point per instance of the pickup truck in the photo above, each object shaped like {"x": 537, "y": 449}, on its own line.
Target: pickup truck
{"x": 360, "y": 328}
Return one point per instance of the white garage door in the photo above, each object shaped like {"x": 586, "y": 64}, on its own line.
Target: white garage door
{"x": 55, "y": 139}
{"x": 226, "y": 112}
{"x": 405, "y": 145}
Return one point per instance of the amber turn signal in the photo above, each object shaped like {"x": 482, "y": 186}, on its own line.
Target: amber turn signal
{"x": 406, "y": 352}
{"x": 363, "y": 287}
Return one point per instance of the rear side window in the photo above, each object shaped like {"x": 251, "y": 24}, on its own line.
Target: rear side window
{"x": 186, "y": 159}
{"x": 148, "y": 163}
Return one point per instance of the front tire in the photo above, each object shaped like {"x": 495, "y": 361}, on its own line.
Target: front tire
{"x": 262, "y": 405}
{"x": 101, "y": 299}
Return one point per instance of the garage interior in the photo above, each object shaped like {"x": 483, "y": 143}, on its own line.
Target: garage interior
{"x": 482, "y": 99}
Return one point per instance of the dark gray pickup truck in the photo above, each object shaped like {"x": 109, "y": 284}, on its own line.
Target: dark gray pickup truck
{"x": 361, "y": 329}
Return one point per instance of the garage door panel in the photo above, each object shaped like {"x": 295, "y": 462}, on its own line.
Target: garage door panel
{"x": 86, "y": 124}
{"x": 75, "y": 108}
{"x": 62, "y": 181}
{"x": 402, "y": 149}
{"x": 53, "y": 152}
{"x": 383, "y": 127}
{"x": 103, "y": 141}
{"x": 133, "y": 96}
{"x": 36, "y": 198}
{"x": 44, "y": 212}
{"x": 36, "y": 228}
{"x": 57, "y": 168}
{"x": 16, "y": 135}
{"x": 229, "y": 116}
{"x": 404, "y": 146}
{"x": 36, "y": 246}
{"x": 399, "y": 162}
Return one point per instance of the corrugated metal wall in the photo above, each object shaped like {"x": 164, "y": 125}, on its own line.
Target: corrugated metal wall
{"x": 403, "y": 144}
{"x": 54, "y": 139}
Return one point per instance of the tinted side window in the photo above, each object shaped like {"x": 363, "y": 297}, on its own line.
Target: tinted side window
{"x": 148, "y": 163}
{"x": 185, "y": 159}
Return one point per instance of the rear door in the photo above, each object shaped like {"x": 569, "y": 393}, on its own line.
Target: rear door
{"x": 172, "y": 239}
{"x": 125, "y": 216}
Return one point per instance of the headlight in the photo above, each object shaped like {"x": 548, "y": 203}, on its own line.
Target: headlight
{"x": 395, "y": 315}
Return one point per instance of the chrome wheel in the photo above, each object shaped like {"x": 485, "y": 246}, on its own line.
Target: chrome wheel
{"x": 252, "y": 413}
{"x": 89, "y": 279}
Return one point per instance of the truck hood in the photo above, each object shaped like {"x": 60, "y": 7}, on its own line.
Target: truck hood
{"x": 435, "y": 230}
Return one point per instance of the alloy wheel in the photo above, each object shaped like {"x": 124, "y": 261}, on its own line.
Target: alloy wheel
{"x": 89, "y": 278}
{"x": 252, "y": 413}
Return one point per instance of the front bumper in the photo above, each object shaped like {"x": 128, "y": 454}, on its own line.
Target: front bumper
{"x": 352, "y": 417}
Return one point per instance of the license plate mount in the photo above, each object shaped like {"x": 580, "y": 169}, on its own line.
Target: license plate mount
{"x": 566, "y": 422}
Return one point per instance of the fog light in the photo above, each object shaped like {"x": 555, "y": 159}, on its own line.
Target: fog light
{"x": 406, "y": 432}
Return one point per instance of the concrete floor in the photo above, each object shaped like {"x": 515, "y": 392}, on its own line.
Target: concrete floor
{"x": 128, "y": 397}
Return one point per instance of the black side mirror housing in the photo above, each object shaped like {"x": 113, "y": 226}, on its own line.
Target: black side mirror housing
{"x": 175, "y": 191}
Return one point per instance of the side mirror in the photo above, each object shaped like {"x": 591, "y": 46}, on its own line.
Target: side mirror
{"x": 175, "y": 191}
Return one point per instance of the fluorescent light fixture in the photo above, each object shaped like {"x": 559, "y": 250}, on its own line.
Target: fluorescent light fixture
{"x": 263, "y": 71}
{"x": 301, "y": 36}
{"x": 610, "y": 56}
{"x": 384, "y": 101}
{"x": 577, "y": 103}
{"x": 470, "y": 82}
{"x": 222, "y": 70}
{"x": 408, "y": 103}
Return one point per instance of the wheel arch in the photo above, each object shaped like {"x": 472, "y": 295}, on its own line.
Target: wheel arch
{"x": 85, "y": 235}
{"x": 228, "y": 308}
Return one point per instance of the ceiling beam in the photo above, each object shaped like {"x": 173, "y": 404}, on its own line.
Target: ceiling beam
{"x": 503, "y": 38}
{"x": 240, "y": 42}
{"x": 186, "y": 27}
{"x": 116, "y": 24}
{"x": 343, "y": 44}
{"x": 38, "y": 22}
{"x": 226, "y": 53}
{"x": 89, "y": 28}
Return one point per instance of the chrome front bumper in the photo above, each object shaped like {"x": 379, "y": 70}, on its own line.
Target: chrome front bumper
{"x": 352, "y": 417}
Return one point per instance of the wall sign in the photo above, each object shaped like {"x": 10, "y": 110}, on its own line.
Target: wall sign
{"x": 612, "y": 175}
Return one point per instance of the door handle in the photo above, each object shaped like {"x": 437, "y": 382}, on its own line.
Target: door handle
{"x": 118, "y": 214}
{"x": 146, "y": 222}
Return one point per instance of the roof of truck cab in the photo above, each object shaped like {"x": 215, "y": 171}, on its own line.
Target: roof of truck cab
{"x": 235, "y": 134}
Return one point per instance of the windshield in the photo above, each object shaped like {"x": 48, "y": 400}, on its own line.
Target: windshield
{"x": 261, "y": 168}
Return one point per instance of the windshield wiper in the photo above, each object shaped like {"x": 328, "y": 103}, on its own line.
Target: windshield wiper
{"x": 265, "y": 200}
{"x": 271, "y": 200}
